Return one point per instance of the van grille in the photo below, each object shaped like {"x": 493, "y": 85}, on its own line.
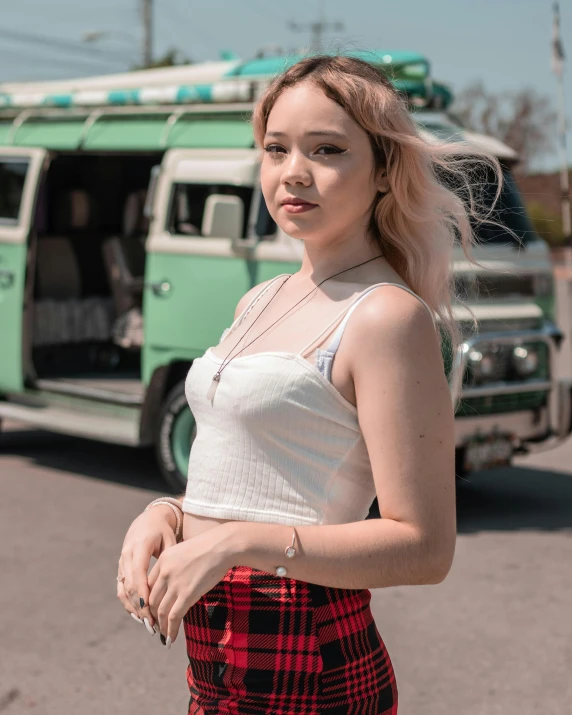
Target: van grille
{"x": 472, "y": 287}
{"x": 504, "y": 369}
{"x": 505, "y": 372}
{"x": 497, "y": 325}
{"x": 497, "y": 404}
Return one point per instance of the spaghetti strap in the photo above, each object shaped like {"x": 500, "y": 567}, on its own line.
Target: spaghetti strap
{"x": 335, "y": 343}
{"x": 328, "y": 329}
{"x": 250, "y": 306}
{"x": 345, "y": 314}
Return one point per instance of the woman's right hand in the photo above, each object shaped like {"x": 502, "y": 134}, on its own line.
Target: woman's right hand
{"x": 149, "y": 535}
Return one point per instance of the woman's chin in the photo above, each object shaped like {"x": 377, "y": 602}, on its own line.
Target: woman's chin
{"x": 300, "y": 229}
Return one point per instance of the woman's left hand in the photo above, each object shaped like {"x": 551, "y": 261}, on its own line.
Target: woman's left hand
{"x": 184, "y": 573}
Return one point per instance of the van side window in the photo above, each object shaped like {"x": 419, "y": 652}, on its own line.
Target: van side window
{"x": 12, "y": 178}
{"x": 187, "y": 206}
{"x": 509, "y": 211}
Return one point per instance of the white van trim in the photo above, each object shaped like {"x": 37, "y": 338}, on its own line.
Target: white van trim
{"x": 18, "y": 232}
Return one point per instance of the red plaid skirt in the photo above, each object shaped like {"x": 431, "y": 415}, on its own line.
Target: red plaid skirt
{"x": 258, "y": 644}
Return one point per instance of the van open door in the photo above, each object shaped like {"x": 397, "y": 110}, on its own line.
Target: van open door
{"x": 20, "y": 169}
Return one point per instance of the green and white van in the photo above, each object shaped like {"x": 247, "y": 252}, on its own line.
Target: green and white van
{"x": 131, "y": 222}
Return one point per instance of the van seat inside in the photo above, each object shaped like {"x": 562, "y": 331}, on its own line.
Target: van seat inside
{"x": 63, "y": 312}
{"x": 124, "y": 259}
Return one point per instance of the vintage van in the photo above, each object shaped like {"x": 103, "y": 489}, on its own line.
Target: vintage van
{"x": 131, "y": 222}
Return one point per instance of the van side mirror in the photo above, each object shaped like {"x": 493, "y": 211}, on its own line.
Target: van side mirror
{"x": 223, "y": 216}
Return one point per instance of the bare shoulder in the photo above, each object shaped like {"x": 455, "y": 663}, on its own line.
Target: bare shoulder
{"x": 250, "y": 295}
{"x": 391, "y": 318}
{"x": 398, "y": 372}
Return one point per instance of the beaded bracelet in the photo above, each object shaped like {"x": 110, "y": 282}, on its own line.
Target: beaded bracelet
{"x": 289, "y": 552}
{"x": 177, "y": 511}
{"x": 171, "y": 500}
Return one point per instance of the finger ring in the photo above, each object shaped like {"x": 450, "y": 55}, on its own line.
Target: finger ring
{"x": 121, "y": 579}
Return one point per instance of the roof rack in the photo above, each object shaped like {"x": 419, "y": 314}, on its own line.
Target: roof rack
{"x": 209, "y": 83}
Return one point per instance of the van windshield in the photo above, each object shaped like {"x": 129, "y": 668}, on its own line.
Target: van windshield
{"x": 509, "y": 212}
{"x": 12, "y": 178}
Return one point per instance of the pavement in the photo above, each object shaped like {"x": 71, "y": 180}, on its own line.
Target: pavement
{"x": 494, "y": 639}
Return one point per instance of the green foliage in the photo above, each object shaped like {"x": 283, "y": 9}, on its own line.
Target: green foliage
{"x": 548, "y": 225}
{"x": 171, "y": 58}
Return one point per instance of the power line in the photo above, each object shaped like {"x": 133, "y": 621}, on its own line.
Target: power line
{"x": 62, "y": 45}
{"x": 317, "y": 28}
{"x": 43, "y": 61}
{"x": 181, "y": 21}
{"x": 267, "y": 11}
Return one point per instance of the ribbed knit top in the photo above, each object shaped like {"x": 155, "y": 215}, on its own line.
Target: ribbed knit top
{"x": 277, "y": 443}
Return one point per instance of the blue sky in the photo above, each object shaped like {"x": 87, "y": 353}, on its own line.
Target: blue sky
{"x": 506, "y": 43}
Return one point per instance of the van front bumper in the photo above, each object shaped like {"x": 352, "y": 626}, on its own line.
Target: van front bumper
{"x": 546, "y": 425}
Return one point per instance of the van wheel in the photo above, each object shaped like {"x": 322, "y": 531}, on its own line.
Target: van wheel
{"x": 176, "y": 431}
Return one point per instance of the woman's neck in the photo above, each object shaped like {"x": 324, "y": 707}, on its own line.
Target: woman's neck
{"x": 319, "y": 262}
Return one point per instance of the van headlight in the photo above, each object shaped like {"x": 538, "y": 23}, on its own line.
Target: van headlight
{"x": 485, "y": 365}
{"x": 525, "y": 360}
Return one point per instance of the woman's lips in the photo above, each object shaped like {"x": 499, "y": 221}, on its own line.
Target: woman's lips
{"x": 297, "y": 207}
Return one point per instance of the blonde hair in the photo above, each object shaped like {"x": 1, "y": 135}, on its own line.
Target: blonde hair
{"x": 433, "y": 193}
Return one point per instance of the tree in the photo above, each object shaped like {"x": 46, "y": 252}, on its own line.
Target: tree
{"x": 525, "y": 120}
{"x": 548, "y": 225}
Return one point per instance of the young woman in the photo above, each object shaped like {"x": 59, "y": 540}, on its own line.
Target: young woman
{"x": 327, "y": 391}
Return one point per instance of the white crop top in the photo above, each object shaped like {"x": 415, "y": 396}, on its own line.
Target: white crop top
{"x": 278, "y": 443}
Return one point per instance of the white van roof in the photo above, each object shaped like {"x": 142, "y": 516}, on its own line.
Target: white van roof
{"x": 203, "y": 73}
{"x": 438, "y": 126}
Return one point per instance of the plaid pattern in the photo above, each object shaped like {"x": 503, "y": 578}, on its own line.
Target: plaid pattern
{"x": 258, "y": 644}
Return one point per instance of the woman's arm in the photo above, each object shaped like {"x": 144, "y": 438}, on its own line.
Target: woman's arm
{"x": 407, "y": 420}
{"x": 406, "y": 417}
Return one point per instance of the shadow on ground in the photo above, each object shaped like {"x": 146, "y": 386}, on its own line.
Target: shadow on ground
{"x": 504, "y": 499}
{"x": 515, "y": 498}
{"x": 84, "y": 457}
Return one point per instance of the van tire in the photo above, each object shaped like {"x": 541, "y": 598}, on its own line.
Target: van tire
{"x": 176, "y": 428}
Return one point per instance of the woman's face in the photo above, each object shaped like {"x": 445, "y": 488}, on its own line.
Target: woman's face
{"x": 317, "y": 171}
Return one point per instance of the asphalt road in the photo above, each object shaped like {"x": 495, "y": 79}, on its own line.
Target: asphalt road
{"x": 494, "y": 638}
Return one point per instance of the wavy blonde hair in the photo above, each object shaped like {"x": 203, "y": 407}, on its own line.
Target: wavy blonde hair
{"x": 434, "y": 187}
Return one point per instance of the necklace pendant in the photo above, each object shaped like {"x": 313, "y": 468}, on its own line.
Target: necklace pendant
{"x": 213, "y": 387}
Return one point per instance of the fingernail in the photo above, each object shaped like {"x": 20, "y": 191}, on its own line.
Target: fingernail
{"x": 168, "y": 642}
{"x": 135, "y": 618}
{"x": 142, "y": 602}
{"x": 148, "y": 626}
{"x": 163, "y": 641}
{"x": 156, "y": 627}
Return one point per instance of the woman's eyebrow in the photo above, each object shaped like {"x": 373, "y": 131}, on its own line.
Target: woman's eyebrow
{"x": 313, "y": 133}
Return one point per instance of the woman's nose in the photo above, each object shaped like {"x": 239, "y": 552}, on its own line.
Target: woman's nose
{"x": 296, "y": 169}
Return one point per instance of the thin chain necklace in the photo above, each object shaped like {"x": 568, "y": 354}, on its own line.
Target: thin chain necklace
{"x": 229, "y": 358}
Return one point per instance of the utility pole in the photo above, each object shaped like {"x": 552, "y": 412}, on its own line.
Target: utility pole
{"x": 317, "y": 29}
{"x": 558, "y": 69}
{"x": 147, "y": 17}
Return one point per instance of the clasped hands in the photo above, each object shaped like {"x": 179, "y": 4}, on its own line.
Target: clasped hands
{"x": 182, "y": 574}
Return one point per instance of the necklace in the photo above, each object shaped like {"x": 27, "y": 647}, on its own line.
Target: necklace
{"x": 229, "y": 358}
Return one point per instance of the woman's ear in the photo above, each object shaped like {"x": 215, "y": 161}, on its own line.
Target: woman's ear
{"x": 382, "y": 182}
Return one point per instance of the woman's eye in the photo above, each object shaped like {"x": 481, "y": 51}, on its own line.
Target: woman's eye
{"x": 274, "y": 149}
{"x": 329, "y": 149}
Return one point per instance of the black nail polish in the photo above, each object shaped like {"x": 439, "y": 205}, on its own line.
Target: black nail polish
{"x": 163, "y": 639}
{"x": 142, "y": 602}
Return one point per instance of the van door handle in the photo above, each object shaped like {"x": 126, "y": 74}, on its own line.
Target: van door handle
{"x": 160, "y": 288}
{"x": 6, "y": 278}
